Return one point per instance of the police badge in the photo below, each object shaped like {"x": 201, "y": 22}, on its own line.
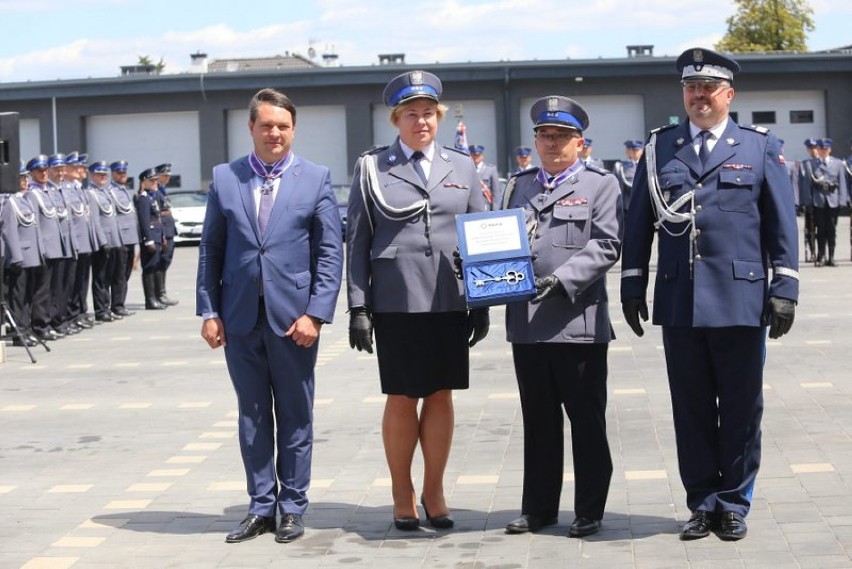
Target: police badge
{"x": 552, "y": 105}
{"x": 416, "y": 77}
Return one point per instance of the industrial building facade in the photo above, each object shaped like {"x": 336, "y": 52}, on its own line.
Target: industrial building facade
{"x": 197, "y": 120}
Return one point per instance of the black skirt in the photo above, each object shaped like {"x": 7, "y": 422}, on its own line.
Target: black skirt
{"x": 421, "y": 353}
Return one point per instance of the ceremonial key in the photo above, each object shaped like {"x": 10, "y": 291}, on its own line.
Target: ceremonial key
{"x": 511, "y": 277}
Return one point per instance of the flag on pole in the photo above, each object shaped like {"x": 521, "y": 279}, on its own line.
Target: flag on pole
{"x": 461, "y": 137}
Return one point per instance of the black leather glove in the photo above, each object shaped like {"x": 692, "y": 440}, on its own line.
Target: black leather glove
{"x": 633, "y": 309}
{"x": 545, "y": 287}
{"x": 361, "y": 329}
{"x": 478, "y": 323}
{"x": 781, "y": 314}
{"x": 457, "y": 264}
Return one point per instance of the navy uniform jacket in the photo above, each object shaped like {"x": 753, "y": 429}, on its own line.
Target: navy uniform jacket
{"x": 578, "y": 230}
{"x": 168, "y": 220}
{"x": 833, "y": 172}
{"x": 396, "y": 266}
{"x": 48, "y": 222}
{"x": 747, "y": 224}
{"x": 125, "y": 215}
{"x": 148, "y": 210}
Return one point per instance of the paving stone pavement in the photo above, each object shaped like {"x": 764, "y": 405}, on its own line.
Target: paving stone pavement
{"x": 119, "y": 449}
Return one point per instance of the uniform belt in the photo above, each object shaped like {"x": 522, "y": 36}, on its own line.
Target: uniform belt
{"x": 165, "y": 211}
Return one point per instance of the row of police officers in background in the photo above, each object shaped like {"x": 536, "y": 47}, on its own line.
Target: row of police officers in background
{"x": 73, "y": 225}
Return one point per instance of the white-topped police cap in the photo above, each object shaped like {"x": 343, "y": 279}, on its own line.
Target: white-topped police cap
{"x": 701, "y": 64}
{"x": 412, "y": 85}
{"x": 556, "y": 110}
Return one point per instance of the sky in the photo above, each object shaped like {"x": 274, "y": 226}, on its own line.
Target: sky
{"x": 62, "y": 39}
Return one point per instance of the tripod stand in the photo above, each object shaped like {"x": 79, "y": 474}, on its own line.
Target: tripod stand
{"x": 5, "y": 311}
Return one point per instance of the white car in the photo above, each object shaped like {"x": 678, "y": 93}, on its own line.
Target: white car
{"x": 188, "y": 209}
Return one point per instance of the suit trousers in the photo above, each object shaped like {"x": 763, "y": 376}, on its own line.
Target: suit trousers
{"x": 168, "y": 254}
{"x": 41, "y": 302}
{"x": 103, "y": 268}
{"x": 274, "y": 382}
{"x": 20, "y": 295}
{"x": 553, "y": 376}
{"x": 825, "y": 219}
{"x": 121, "y": 273}
{"x": 716, "y": 383}
{"x": 80, "y": 294}
{"x": 61, "y": 285}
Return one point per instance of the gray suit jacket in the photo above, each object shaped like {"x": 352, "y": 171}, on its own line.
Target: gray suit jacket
{"x": 48, "y": 222}
{"x": 103, "y": 212}
{"x": 577, "y": 237}
{"x": 24, "y": 220}
{"x": 399, "y": 266}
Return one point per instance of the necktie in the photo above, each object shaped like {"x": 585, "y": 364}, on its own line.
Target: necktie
{"x": 265, "y": 209}
{"x": 416, "y": 156}
{"x": 703, "y": 150}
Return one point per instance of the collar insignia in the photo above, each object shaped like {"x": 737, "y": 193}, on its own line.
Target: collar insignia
{"x": 392, "y": 158}
{"x": 679, "y": 141}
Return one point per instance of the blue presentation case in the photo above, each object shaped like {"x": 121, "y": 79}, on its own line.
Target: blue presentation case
{"x": 482, "y": 262}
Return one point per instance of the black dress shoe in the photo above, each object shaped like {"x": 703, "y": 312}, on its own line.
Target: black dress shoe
{"x": 437, "y": 522}
{"x": 116, "y": 316}
{"x": 732, "y": 527}
{"x": 529, "y": 522}
{"x": 250, "y": 528}
{"x": 24, "y": 341}
{"x": 290, "y": 528}
{"x": 83, "y": 323}
{"x": 105, "y": 317}
{"x": 406, "y": 523}
{"x": 699, "y": 525}
{"x": 48, "y": 336}
{"x": 58, "y": 333}
{"x": 581, "y": 527}
{"x": 122, "y": 311}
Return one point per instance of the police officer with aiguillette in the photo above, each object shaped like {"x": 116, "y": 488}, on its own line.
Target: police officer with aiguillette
{"x": 806, "y": 171}
{"x": 717, "y": 197}
{"x": 151, "y": 229}
{"x": 825, "y": 187}
{"x": 164, "y": 174}
{"x": 624, "y": 170}
{"x": 560, "y": 339}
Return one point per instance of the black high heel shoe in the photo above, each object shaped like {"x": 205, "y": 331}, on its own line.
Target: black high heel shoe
{"x": 437, "y": 522}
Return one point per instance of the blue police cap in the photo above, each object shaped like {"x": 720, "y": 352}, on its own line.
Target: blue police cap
{"x": 476, "y": 149}
{"x": 119, "y": 166}
{"x": 412, "y": 85}
{"x": 587, "y": 142}
{"x": 556, "y": 110}
{"x": 701, "y": 64}
{"x": 37, "y": 162}
{"x": 72, "y": 157}
{"x": 163, "y": 168}
{"x": 23, "y": 169}
{"x": 633, "y": 144}
{"x": 810, "y": 142}
{"x": 149, "y": 174}
{"x": 83, "y": 159}
{"x": 55, "y": 160}
{"x": 825, "y": 143}
{"x": 523, "y": 151}
{"x": 100, "y": 167}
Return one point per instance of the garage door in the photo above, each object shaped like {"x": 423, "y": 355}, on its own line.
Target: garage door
{"x": 148, "y": 139}
{"x": 31, "y": 139}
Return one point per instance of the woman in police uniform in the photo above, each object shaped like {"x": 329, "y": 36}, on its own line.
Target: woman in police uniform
{"x": 151, "y": 232}
{"x": 401, "y": 237}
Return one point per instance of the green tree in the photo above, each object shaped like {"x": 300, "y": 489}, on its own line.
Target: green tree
{"x": 158, "y": 67}
{"x": 768, "y": 25}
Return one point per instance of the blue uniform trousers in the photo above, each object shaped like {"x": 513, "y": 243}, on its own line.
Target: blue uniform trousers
{"x": 274, "y": 382}
{"x": 716, "y": 383}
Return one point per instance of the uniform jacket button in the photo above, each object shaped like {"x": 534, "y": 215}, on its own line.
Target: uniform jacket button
{"x": 698, "y": 257}
{"x": 698, "y": 207}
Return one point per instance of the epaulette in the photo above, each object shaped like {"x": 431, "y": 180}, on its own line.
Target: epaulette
{"x": 755, "y": 128}
{"x": 597, "y": 170}
{"x": 374, "y": 150}
{"x": 533, "y": 170}
{"x": 662, "y": 128}
{"x": 454, "y": 149}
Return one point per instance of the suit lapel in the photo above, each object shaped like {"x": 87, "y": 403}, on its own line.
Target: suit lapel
{"x": 724, "y": 149}
{"x": 441, "y": 168}
{"x": 686, "y": 152}
{"x": 244, "y": 176}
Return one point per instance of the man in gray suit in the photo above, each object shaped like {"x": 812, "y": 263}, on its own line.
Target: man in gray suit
{"x": 560, "y": 338}
{"x": 488, "y": 176}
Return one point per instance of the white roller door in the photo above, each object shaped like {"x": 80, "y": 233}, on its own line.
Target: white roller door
{"x": 612, "y": 120}
{"x": 797, "y": 115}
{"x": 148, "y": 139}
{"x": 320, "y": 137}
{"x": 31, "y": 139}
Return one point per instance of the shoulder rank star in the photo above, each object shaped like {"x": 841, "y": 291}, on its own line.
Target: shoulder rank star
{"x": 679, "y": 141}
